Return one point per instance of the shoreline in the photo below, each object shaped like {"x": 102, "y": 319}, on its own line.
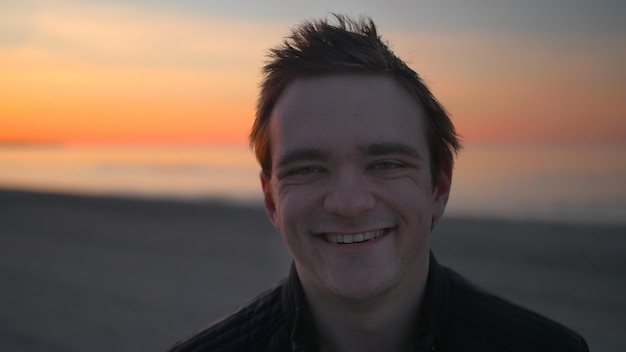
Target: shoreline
{"x": 54, "y": 196}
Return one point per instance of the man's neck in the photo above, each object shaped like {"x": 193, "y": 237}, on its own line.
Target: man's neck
{"x": 389, "y": 322}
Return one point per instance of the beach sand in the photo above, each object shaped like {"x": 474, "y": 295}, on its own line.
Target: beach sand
{"x": 112, "y": 274}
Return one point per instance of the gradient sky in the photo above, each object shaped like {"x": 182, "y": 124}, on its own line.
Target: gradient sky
{"x": 154, "y": 71}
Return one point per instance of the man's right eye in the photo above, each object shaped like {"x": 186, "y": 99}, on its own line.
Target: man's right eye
{"x": 306, "y": 170}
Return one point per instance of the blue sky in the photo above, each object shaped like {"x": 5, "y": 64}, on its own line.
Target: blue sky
{"x": 580, "y": 16}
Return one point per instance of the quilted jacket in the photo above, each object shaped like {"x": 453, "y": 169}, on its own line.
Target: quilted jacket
{"x": 458, "y": 316}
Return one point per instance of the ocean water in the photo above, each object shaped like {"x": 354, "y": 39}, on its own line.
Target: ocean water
{"x": 567, "y": 183}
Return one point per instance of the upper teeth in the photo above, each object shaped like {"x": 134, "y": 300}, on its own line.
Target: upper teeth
{"x": 354, "y": 238}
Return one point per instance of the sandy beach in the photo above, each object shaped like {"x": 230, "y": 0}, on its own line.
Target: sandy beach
{"x": 112, "y": 274}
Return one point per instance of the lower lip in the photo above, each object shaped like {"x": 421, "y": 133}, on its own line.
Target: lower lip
{"x": 358, "y": 245}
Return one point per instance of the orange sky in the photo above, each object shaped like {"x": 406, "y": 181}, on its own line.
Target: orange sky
{"x": 109, "y": 74}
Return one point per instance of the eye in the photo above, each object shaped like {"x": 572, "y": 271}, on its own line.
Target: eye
{"x": 387, "y": 165}
{"x": 306, "y": 170}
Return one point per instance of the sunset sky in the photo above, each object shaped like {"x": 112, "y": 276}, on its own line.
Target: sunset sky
{"x": 146, "y": 71}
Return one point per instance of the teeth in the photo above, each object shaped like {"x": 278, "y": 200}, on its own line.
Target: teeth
{"x": 354, "y": 238}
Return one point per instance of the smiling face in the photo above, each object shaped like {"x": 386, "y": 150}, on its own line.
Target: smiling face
{"x": 350, "y": 190}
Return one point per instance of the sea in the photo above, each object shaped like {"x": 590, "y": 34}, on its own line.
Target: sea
{"x": 556, "y": 183}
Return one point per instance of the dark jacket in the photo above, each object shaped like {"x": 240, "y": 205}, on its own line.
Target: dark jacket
{"x": 457, "y": 317}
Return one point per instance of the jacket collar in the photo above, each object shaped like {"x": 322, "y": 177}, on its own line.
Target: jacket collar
{"x": 434, "y": 313}
{"x": 436, "y": 307}
{"x": 303, "y": 335}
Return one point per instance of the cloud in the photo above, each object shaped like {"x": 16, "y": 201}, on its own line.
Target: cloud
{"x": 131, "y": 35}
{"x": 497, "y": 85}
{"x": 56, "y": 55}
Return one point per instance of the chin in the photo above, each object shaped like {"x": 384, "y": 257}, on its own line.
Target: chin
{"x": 361, "y": 287}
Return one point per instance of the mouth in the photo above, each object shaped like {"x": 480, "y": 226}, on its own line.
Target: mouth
{"x": 343, "y": 238}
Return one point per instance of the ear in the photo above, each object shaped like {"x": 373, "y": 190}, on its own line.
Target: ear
{"x": 441, "y": 191}
{"x": 268, "y": 198}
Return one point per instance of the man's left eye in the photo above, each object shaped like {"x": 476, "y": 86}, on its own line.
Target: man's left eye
{"x": 384, "y": 165}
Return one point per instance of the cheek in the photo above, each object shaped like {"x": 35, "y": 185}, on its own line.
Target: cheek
{"x": 289, "y": 203}
{"x": 295, "y": 205}
{"x": 413, "y": 201}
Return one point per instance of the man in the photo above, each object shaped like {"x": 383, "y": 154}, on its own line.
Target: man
{"x": 356, "y": 157}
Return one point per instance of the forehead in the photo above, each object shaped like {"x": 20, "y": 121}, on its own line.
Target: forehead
{"x": 348, "y": 91}
{"x": 338, "y": 111}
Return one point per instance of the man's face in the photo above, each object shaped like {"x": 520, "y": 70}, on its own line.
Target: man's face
{"x": 350, "y": 190}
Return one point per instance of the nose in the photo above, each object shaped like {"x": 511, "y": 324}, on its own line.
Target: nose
{"x": 348, "y": 195}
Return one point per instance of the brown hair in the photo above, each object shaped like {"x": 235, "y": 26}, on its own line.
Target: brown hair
{"x": 319, "y": 47}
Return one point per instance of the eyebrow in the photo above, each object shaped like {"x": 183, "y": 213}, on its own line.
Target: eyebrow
{"x": 372, "y": 149}
{"x": 387, "y": 148}
{"x": 302, "y": 154}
